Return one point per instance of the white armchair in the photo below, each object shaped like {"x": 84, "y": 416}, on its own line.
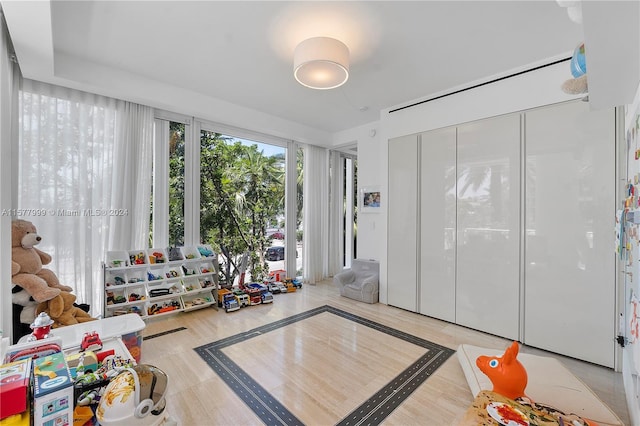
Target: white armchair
{"x": 361, "y": 282}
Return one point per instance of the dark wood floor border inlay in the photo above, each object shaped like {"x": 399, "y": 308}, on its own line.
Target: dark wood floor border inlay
{"x": 372, "y": 412}
{"x": 174, "y": 330}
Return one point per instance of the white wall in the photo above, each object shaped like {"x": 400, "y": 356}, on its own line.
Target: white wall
{"x": 369, "y": 176}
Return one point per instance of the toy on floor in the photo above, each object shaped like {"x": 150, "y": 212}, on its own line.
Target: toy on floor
{"x": 507, "y": 374}
{"x": 136, "y": 396}
{"x": 509, "y": 378}
{"x": 230, "y": 303}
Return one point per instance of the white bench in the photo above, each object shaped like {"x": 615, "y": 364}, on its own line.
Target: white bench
{"x": 549, "y": 382}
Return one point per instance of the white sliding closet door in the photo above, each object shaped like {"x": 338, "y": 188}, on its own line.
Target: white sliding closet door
{"x": 438, "y": 224}
{"x": 488, "y": 243}
{"x": 402, "y": 252}
{"x": 570, "y": 221}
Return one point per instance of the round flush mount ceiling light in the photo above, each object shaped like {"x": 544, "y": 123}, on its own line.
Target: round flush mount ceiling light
{"x": 321, "y": 63}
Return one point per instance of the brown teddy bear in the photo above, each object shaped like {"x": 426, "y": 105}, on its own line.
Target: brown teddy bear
{"x": 62, "y": 310}
{"x": 26, "y": 266}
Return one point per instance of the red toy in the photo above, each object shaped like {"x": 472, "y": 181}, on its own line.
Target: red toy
{"x": 41, "y": 327}
{"x": 91, "y": 342}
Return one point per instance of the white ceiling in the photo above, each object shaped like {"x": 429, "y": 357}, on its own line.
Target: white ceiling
{"x": 239, "y": 53}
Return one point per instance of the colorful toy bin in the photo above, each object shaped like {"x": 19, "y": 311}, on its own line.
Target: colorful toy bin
{"x": 14, "y": 388}
{"x": 133, "y": 342}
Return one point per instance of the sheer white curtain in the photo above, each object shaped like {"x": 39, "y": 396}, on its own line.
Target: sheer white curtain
{"x": 315, "y": 213}
{"x": 131, "y": 180}
{"x": 74, "y": 152}
{"x": 9, "y": 82}
{"x": 336, "y": 213}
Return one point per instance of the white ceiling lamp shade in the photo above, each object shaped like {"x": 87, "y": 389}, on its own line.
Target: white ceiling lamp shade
{"x": 321, "y": 63}
{"x": 574, "y": 9}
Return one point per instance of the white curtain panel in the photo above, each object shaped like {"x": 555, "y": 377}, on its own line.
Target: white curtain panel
{"x": 81, "y": 180}
{"x": 9, "y": 81}
{"x": 315, "y": 213}
{"x": 336, "y": 213}
{"x": 131, "y": 178}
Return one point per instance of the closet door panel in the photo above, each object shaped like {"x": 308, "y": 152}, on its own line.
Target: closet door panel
{"x": 488, "y": 220}
{"x": 402, "y": 252}
{"x": 570, "y": 218}
{"x": 438, "y": 224}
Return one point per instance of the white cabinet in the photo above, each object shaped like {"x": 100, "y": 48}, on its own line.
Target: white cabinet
{"x": 437, "y": 287}
{"x": 506, "y": 225}
{"x": 488, "y": 223}
{"x": 402, "y": 249}
{"x": 570, "y": 218}
{"x": 160, "y": 281}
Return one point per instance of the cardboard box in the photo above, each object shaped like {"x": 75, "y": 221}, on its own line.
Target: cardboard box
{"x": 14, "y": 388}
{"x": 52, "y": 391}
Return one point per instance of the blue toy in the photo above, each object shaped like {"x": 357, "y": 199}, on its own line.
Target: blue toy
{"x": 578, "y": 62}
{"x": 230, "y": 303}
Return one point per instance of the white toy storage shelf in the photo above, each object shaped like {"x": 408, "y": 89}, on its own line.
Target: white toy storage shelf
{"x": 156, "y": 282}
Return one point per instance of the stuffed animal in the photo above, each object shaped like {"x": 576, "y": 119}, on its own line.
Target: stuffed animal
{"x": 62, "y": 310}
{"x": 19, "y": 296}
{"x": 23, "y": 312}
{"x": 26, "y": 266}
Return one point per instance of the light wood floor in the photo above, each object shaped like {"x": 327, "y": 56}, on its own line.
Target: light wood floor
{"x": 323, "y": 367}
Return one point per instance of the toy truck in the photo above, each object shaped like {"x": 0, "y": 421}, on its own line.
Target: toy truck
{"x": 242, "y": 298}
{"x": 288, "y": 282}
{"x": 265, "y": 295}
{"x": 230, "y": 302}
{"x": 221, "y": 293}
{"x": 255, "y": 297}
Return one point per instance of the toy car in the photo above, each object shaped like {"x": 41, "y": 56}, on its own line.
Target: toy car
{"x": 230, "y": 303}
{"x": 282, "y": 287}
{"x": 273, "y": 288}
{"x": 91, "y": 342}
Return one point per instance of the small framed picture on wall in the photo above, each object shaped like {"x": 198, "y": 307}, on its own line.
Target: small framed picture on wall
{"x": 370, "y": 200}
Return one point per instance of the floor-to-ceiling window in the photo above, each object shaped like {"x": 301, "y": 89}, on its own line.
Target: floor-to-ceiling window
{"x": 299, "y": 197}
{"x": 176, "y": 182}
{"x": 351, "y": 209}
{"x": 242, "y": 203}
{"x": 213, "y": 187}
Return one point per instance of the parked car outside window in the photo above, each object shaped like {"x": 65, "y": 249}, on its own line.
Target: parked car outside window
{"x": 275, "y": 253}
